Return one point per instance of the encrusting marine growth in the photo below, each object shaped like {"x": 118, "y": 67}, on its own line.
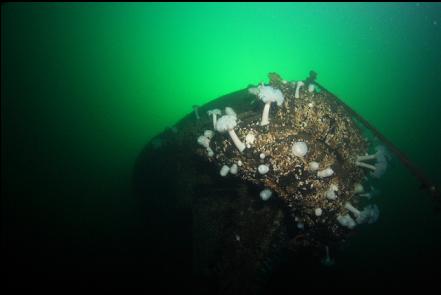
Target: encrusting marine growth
{"x": 253, "y": 183}
{"x": 309, "y": 157}
{"x": 309, "y": 152}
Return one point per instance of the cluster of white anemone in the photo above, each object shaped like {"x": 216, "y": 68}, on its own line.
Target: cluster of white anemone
{"x": 214, "y": 113}
{"x": 268, "y": 95}
{"x": 205, "y": 139}
{"x": 368, "y": 214}
{"x": 226, "y": 169}
{"x": 300, "y": 149}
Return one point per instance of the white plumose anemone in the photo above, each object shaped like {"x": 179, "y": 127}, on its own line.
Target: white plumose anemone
{"x": 327, "y": 261}
{"x": 227, "y": 123}
{"x": 369, "y": 214}
{"x": 297, "y": 93}
{"x": 381, "y": 157}
{"x": 352, "y": 209}
{"x": 268, "y": 95}
{"x": 214, "y": 113}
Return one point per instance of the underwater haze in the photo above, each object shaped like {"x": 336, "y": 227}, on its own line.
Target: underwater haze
{"x": 85, "y": 86}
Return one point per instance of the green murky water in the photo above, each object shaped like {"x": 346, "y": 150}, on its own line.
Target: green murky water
{"x": 86, "y": 86}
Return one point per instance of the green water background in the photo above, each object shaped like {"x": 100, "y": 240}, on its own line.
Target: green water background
{"x": 86, "y": 85}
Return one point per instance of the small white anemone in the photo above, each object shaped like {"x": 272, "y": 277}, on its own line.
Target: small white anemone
{"x": 334, "y": 187}
{"x": 299, "y": 149}
{"x": 209, "y": 134}
{"x": 204, "y": 141}
{"x": 263, "y": 169}
{"x": 234, "y": 169}
{"x": 224, "y": 170}
{"x": 262, "y": 156}
{"x": 330, "y": 193}
{"x": 249, "y": 139}
{"x": 318, "y": 211}
{"x": 314, "y": 166}
{"x": 266, "y": 194}
{"x": 325, "y": 172}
